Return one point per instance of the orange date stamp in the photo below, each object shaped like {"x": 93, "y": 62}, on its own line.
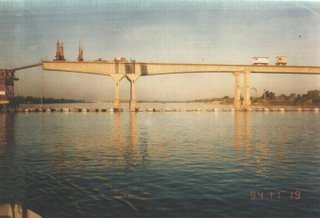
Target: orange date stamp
{"x": 278, "y": 195}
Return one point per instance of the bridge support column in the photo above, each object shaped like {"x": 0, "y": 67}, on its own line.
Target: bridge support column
{"x": 133, "y": 99}
{"x": 246, "y": 81}
{"x": 117, "y": 78}
{"x": 236, "y": 102}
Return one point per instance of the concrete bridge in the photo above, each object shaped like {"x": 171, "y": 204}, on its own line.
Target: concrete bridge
{"x": 132, "y": 70}
{"x": 121, "y": 68}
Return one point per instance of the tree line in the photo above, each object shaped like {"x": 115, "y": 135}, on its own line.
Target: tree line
{"x": 312, "y": 97}
{"x": 37, "y": 100}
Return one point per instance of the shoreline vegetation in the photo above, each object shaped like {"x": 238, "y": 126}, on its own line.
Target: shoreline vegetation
{"x": 37, "y": 100}
{"x": 312, "y": 97}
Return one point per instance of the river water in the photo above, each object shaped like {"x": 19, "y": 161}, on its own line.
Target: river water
{"x": 168, "y": 164}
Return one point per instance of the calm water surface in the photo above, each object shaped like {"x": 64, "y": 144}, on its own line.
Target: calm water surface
{"x": 185, "y": 164}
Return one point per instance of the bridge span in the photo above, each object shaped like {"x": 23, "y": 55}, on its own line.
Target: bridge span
{"x": 132, "y": 70}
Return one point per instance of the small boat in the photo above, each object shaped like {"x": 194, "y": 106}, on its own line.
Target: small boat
{"x": 16, "y": 211}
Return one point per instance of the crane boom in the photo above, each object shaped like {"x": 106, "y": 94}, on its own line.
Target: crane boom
{"x": 27, "y": 66}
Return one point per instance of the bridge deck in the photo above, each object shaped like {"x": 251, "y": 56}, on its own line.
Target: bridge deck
{"x": 145, "y": 69}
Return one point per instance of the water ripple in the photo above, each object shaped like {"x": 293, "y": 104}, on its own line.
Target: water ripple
{"x": 161, "y": 165}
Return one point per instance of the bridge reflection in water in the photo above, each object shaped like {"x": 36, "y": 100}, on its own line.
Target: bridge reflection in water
{"x": 131, "y": 127}
{"x": 7, "y": 122}
{"x": 125, "y": 140}
{"x": 242, "y": 129}
{"x": 90, "y": 163}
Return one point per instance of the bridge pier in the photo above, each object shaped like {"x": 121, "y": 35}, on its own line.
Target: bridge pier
{"x": 117, "y": 78}
{"x": 246, "y": 96}
{"x": 133, "y": 99}
{"x": 237, "y": 101}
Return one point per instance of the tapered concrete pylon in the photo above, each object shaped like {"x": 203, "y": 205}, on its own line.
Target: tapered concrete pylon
{"x": 236, "y": 102}
{"x": 246, "y": 96}
{"x": 117, "y": 78}
{"x": 133, "y": 99}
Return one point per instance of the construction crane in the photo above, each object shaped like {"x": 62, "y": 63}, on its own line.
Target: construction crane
{"x": 7, "y": 78}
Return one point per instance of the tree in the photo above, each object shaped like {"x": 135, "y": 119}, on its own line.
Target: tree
{"x": 268, "y": 95}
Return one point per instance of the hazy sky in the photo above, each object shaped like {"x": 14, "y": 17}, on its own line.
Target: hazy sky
{"x": 168, "y": 31}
